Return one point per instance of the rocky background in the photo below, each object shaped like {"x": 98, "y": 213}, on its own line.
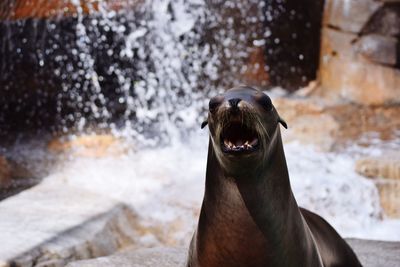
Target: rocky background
{"x": 360, "y": 74}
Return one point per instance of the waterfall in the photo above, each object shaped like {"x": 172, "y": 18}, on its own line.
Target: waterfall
{"x": 145, "y": 70}
{"x": 158, "y": 84}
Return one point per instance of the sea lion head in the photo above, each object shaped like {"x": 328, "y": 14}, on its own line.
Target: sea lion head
{"x": 243, "y": 126}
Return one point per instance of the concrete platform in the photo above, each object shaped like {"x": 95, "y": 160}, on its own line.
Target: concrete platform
{"x": 165, "y": 257}
{"x": 371, "y": 254}
{"x": 376, "y": 253}
{"x": 47, "y": 227}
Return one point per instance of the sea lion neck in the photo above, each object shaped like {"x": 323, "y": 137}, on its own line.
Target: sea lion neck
{"x": 258, "y": 185}
{"x": 256, "y": 213}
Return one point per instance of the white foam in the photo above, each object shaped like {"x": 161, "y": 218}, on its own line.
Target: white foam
{"x": 167, "y": 184}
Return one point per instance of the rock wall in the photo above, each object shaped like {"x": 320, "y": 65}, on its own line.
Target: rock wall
{"x": 385, "y": 172}
{"x": 292, "y": 31}
{"x": 22, "y": 9}
{"x": 5, "y": 173}
{"x": 360, "y": 64}
{"x": 359, "y": 60}
{"x": 14, "y": 177}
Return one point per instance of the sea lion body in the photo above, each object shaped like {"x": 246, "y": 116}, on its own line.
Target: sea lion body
{"x": 249, "y": 216}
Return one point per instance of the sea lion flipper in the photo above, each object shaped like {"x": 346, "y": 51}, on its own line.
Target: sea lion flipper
{"x": 283, "y": 122}
{"x": 204, "y": 124}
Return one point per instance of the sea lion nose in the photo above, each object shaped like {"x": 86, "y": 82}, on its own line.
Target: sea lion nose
{"x": 234, "y": 102}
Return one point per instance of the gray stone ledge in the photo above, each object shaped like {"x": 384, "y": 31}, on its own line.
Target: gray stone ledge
{"x": 55, "y": 223}
{"x": 376, "y": 253}
{"x": 371, "y": 254}
{"x": 151, "y": 257}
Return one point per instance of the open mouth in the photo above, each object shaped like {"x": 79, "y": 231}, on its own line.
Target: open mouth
{"x": 238, "y": 138}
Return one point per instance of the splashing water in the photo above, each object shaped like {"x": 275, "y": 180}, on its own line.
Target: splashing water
{"x": 172, "y": 67}
{"x": 161, "y": 89}
{"x": 142, "y": 71}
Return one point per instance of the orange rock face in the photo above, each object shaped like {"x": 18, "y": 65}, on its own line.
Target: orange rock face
{"x": 387, "y": 167}
{"x": 389, "y": 192}
{"x": 385, "y": 172}
{"x": 358, "y": 56}
{"x": 351, "y": 15}
{"x": 346, "y": 74}
{"x": 92, "y": 146}
{"x": 22, "y": 9}
{"x": 5, "y": 173}
{"x": 329, "y": 126}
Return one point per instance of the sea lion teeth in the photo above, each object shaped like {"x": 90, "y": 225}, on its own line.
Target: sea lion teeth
{"x": 247, "y": 145}
{"x": 226, "y": 143}
{"x": 254, "y": 142}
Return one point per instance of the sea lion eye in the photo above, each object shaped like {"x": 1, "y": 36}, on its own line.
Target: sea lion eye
{"x": 214, "y": 103}
{"x": 265, "y": 101}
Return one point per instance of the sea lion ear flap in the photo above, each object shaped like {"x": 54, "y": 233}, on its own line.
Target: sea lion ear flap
{"x": 204, "y": 124}
{"x": 282, "y": 121}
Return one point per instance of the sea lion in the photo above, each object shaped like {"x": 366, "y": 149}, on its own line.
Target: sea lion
{"x": 249, "y": 216}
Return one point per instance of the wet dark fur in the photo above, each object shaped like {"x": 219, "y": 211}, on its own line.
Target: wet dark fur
{"x": 249, "y": 217}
